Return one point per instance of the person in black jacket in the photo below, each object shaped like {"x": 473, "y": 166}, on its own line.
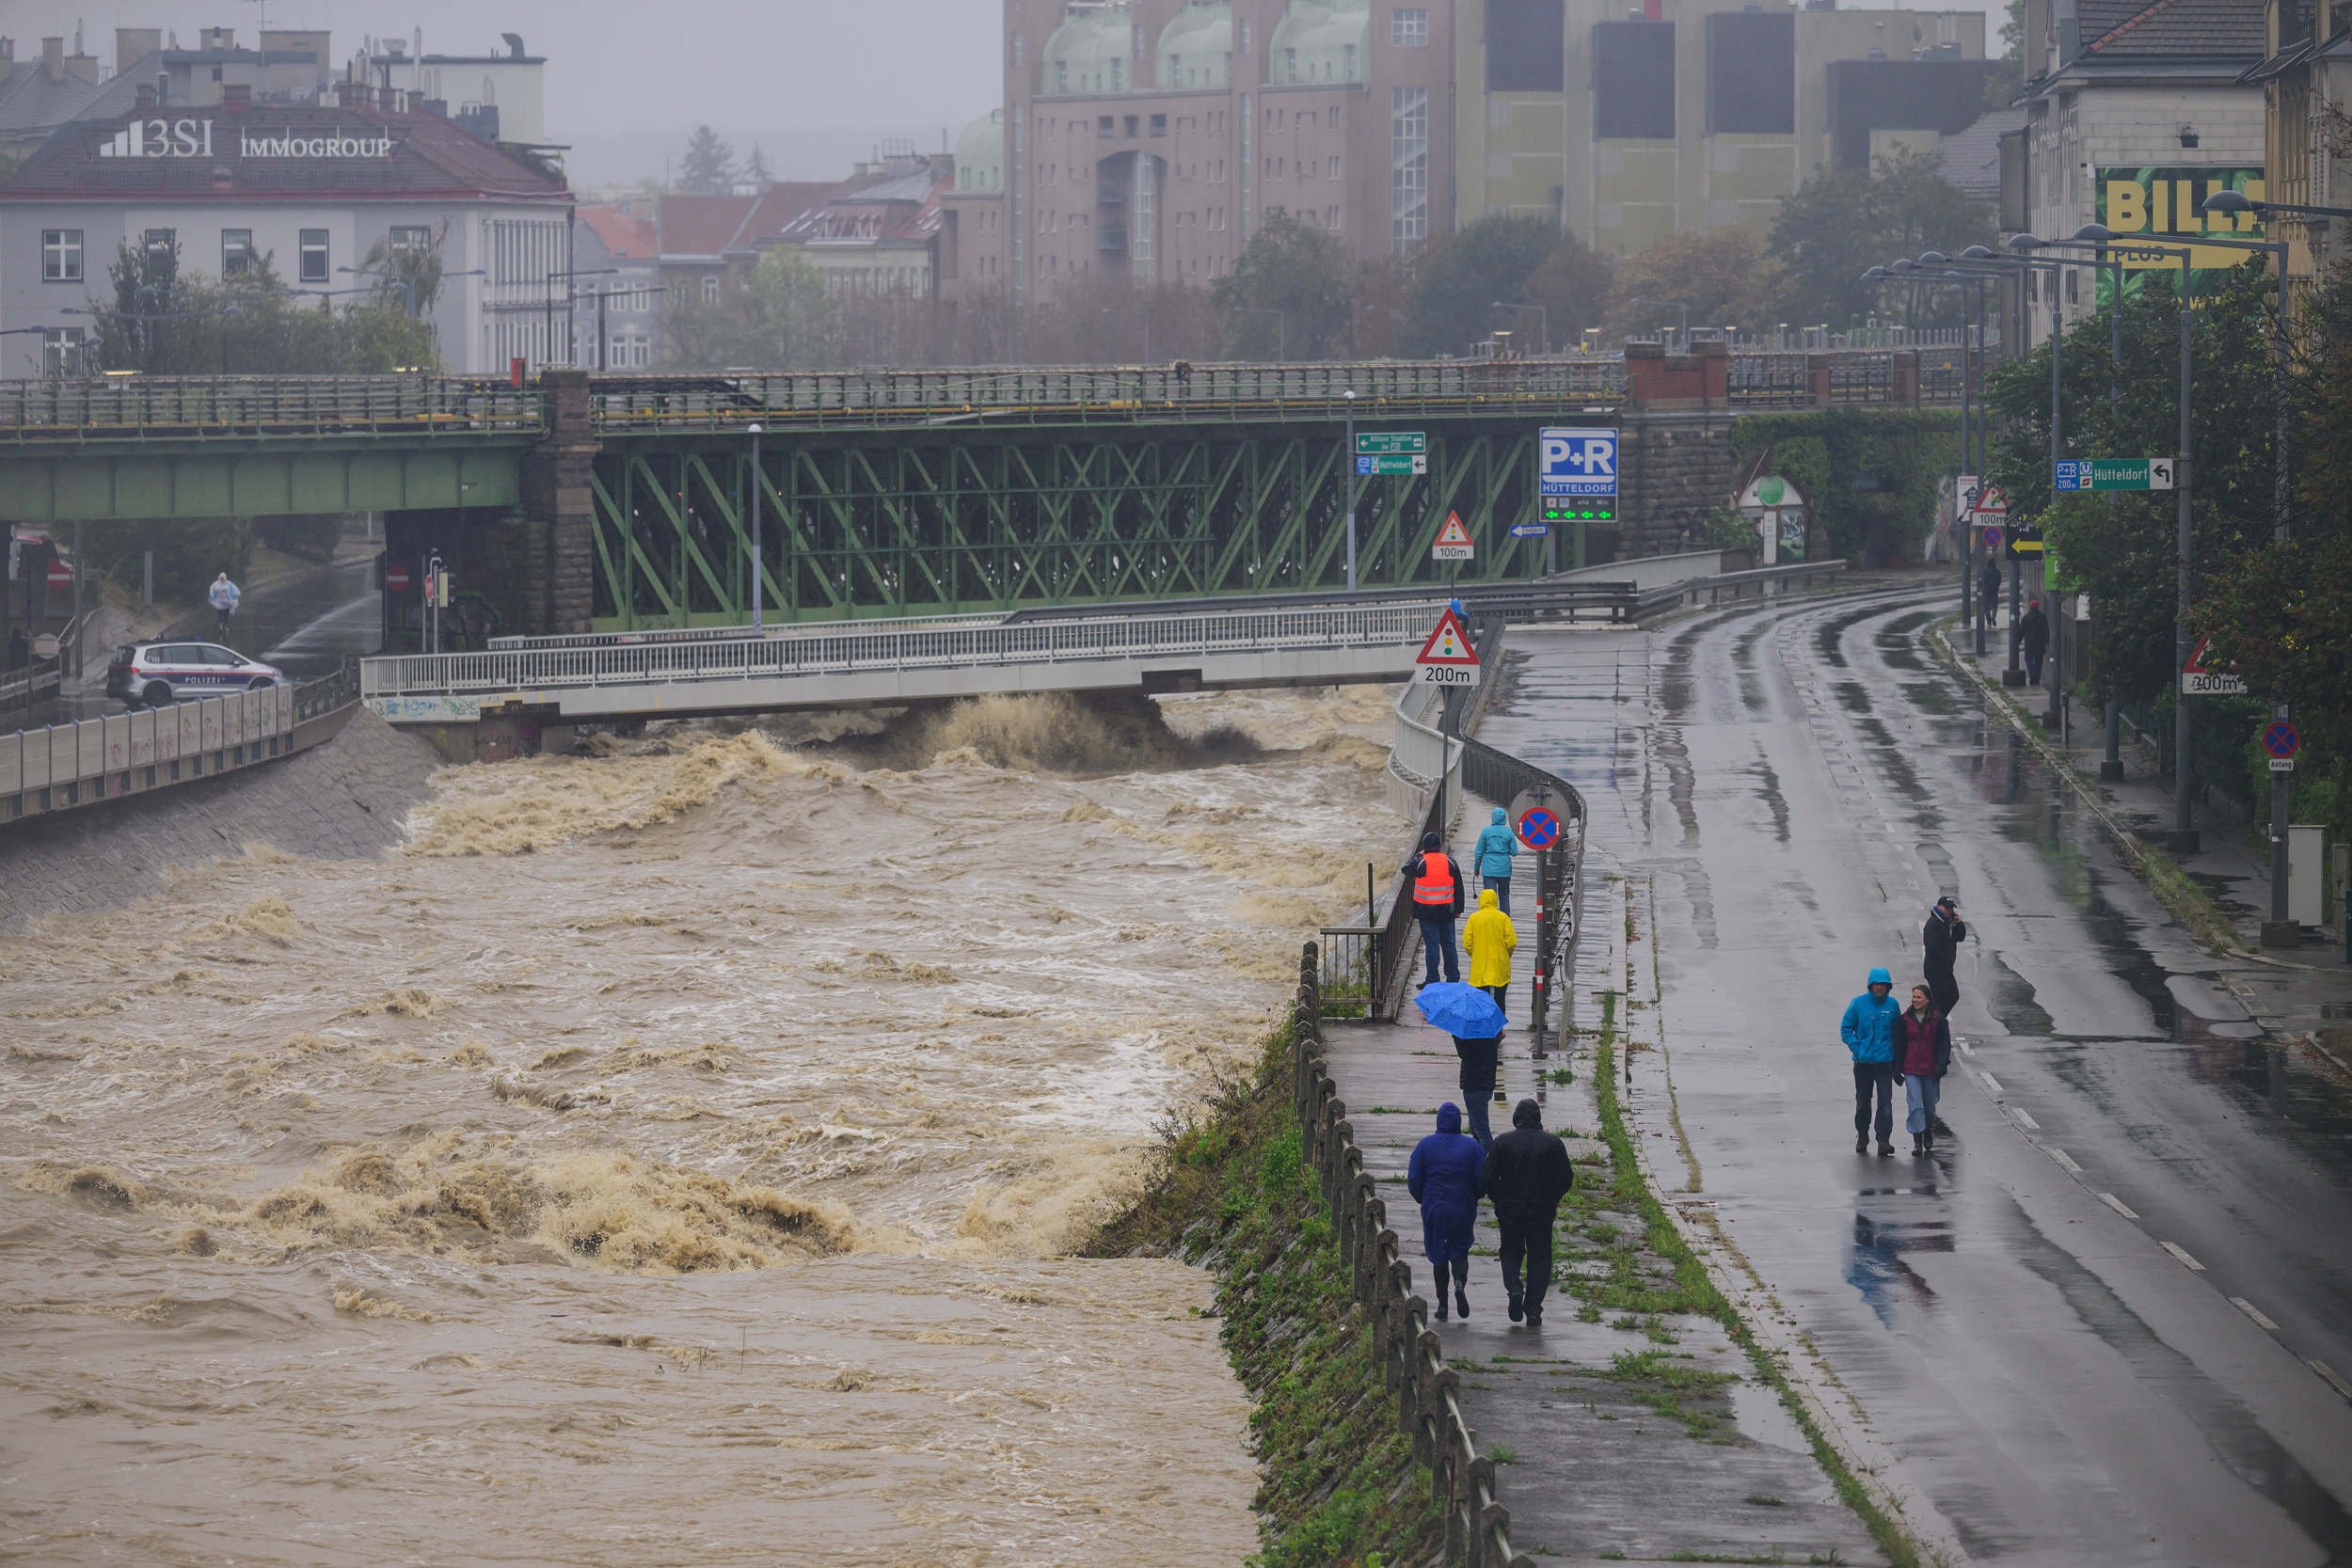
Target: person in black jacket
{"x": 1527, "y": 1174}
{"x": 2033, "y": 640}
{"x": 1989, "y": 591}
{"x": 1941, "y": 939}
{"x": 1436, "y": 886}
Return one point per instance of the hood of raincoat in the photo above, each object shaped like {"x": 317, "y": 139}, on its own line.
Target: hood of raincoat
{"x": 1486, "y": 899}
{"x": 1449, "y": 1117}
{"x": 1498, "y": 816}
{"x": 1527, "y": 1114}
{"x": 1878, "y": 977}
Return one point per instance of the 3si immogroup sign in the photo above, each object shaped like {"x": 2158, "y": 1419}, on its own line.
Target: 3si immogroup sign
{"x": 192, "y": 138}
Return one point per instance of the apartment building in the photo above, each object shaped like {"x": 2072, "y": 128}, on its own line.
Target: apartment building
{"x": 2306, "y": 71}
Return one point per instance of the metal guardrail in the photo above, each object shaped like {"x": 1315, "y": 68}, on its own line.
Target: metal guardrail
{"x": 1763, "y": 578}
{"x": 326, "y": 693}
{"x": 849, "y": 648}
{"x": 1412, "y": 1357}
{"x": 109, "y": 408}
{"x": 88, "y": 760}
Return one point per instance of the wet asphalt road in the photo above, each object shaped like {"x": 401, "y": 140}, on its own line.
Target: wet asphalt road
{"x": 1796, "y": 783}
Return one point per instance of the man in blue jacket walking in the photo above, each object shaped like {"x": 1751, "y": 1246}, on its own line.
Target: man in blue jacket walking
{"x": 1495, "y": 848}
{"x": 1868, "y": 1031}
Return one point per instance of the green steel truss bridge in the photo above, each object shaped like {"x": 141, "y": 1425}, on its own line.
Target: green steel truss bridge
{"x": 881, "y": 493}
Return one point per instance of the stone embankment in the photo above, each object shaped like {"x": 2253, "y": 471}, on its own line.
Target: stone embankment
{"x": 340, "y": 800}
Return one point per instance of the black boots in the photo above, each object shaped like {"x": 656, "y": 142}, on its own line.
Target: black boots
{"x": 1461, "y": 1302}
{"x": 1441, "y": 1304}
{"x": 1886, "y": 1148}
{"x": 1518, "y": 1306}
{"x": 1861, "y": 1143}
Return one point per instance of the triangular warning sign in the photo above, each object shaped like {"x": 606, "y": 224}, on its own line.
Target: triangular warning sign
{"x": 2196, "y": 665}
{"x": 1450, "y": 644}
{"x": 1991, "y": 500}
{"x": 1453, "y": 532}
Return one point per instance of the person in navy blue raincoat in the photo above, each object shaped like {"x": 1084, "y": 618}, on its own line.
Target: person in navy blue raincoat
{"x": 1447, "y": 1170}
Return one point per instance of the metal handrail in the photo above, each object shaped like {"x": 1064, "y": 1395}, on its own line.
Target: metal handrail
{"x": 1672, "y": 594}
{"x": 274, "y": 406}
{"x": 846, "y": 648}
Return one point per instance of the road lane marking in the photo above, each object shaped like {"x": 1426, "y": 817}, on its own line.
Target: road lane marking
{"x": 2329, "y": 1373}
{"x": 2118, "y": 1205}
{"x": 2063, "y": 1158}
{"x": 1967, "y": 1050}
{"x": 1990, "y": 1082}
{"x": 2025, "y": 1120}
{"x": 2181, "y": 1253}
{"x": 2253, "y": 1311}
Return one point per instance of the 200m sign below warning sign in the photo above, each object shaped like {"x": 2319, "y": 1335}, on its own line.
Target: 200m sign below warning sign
{"x": 1448, "y": 658}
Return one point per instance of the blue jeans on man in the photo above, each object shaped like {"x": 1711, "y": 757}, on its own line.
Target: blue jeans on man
{"x": 1501, "y": 888}
{"x": 1437, "y": 936}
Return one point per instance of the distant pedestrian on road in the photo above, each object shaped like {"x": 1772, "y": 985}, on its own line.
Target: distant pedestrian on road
{"x": 1493, "y": 857}
{"x": 2033, "y": 638}
{"x": 1868, "y": 1031}
{"x": 1437, "y": 897}
{"x": 1926, "y": 1041}
{"x": 1989, "y": 591}
{"x": 224, "y": 597}
{"x": 1446, "y": 1173}
{"x": 1527, "y": 1174}
{"x": 1490, "y": 939}
{"x": 1480, "y": 1059}
{"x": 1941, "y": 938}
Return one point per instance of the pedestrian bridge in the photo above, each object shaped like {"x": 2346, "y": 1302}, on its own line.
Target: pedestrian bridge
{"x": 1206, "y": 646}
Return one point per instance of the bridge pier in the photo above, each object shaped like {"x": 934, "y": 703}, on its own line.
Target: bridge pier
{"x": 1675, "y": 457}
{"x": 559, "y": 512}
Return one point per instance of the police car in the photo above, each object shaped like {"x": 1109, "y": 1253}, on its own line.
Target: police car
{"x": 153, "y": 675}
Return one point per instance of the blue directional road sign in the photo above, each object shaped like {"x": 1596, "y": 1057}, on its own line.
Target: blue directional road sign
{"x": 1577, "y": 462}
{"x": 1538, "y": 828}
{"x": 1530, "y": 530}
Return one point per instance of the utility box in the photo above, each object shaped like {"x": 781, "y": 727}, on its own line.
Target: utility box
{"x": 2307, "y": 874}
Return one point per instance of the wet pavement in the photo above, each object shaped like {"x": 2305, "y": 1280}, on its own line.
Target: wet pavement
{"x": 304, "y": 624}
{"x": 2108, "y": 1321}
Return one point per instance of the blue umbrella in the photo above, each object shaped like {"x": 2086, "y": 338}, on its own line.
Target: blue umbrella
{"x": 1463, "y": 1011}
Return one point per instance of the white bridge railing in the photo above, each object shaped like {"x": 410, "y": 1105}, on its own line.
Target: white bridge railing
{"x": 853, "y": 650}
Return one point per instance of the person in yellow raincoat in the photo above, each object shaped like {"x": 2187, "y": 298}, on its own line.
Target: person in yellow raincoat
{"x": 1490, "y": 938}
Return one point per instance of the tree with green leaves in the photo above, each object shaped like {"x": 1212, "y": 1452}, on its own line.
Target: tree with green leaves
{"x": 1843, "y": 222}
{"x": 1300, "y": 270}
{"x": 1452, "y": 301}
{"x": 756, "y": 173}
{"x": 710, "y": 166}
{"x": 1572, "y": 290}
{"x": 1720, "y": 274}
{"x": 2123, "y": 547}
{"x": 161, "y": 321}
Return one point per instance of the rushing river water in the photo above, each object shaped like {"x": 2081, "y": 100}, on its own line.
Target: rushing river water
{"x": 668, "y": 1156}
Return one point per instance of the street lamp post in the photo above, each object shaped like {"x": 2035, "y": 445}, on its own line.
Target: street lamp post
{"x": 576, "y": 272}
{"x": 755, "y": 550}
{"x": 1543, "y": 326}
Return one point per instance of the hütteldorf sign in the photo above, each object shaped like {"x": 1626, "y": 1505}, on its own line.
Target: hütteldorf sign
{"x": 192, "y": 138}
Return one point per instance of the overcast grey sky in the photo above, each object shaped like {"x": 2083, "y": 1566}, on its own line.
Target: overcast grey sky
{"x": 816, "y": 82}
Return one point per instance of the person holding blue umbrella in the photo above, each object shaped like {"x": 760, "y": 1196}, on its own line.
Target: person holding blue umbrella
{"x": 1476, "y": 1023}
{"x": 1444, "y": 1177}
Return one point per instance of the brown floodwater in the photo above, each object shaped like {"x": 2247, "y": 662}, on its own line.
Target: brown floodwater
{"x": 668, "y": 1156}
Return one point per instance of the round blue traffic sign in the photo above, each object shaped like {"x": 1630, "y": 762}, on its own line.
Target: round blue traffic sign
{"x": 1538, "y": 828}
{"x": 1992, "y": 536}
{"x": 2282, "y": 739}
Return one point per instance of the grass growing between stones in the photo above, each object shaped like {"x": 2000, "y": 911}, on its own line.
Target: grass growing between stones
{"x": 1644, "y": 1267}
{"x": 1230, "y": 1188}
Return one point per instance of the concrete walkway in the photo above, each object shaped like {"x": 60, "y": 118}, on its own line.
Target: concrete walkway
{"x": 1614, "y": 1454}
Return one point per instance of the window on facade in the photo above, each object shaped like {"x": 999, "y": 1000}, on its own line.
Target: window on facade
{"x": 61, "y": 255}
{"x": 61, "y": 351}
{"x": 1061, "y": 76}
{"x": 2070, "y": 297}
{"x": 1016, "y": 48}
{"x": 161, "y": 244}
{"x": 1159, "y": 125}
{"x": 710, "y": 290}
{"x": 1408, "y": 167}
{"x": 1410, "y": 29}
{"x": 681, "y": 294}
{"x": 236, "y": 252}
{"x": 1290, "y": 65}
{"x": 413, "y": 244}
{"x": 1138, "y": 40}
{"x": 1348, "y": 53}
{"x": 1245, "y": 35}
{"x": 312, "y": 256}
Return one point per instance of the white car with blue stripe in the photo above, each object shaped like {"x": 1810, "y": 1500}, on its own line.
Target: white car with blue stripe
{"x": 156, "y": 674}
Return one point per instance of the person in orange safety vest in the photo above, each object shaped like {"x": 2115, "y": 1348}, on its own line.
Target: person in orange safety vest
{"x": 1437, "y": 888}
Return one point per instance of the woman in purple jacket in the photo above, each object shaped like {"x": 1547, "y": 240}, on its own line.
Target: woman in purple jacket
{"x": 1447, "y": 1170}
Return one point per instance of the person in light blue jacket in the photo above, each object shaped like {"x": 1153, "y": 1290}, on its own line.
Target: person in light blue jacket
{"x": 1868, "y": 1031}
{"x": 1493, "y": 857}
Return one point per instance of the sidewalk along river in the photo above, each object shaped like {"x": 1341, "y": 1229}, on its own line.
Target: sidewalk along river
{"x": 670, "y": 1152}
